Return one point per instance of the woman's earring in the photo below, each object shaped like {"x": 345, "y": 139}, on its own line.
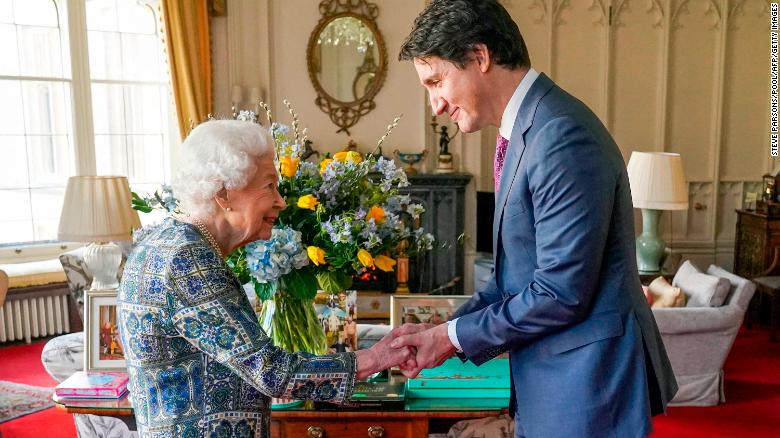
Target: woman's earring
{"x": 228, "y": 209}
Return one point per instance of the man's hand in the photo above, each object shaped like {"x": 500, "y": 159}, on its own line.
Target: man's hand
{"x": 382, "y": 356}
{"x": 433, "y": 347}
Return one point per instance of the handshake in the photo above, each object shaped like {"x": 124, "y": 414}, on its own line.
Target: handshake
{"x": 411, "y": 347}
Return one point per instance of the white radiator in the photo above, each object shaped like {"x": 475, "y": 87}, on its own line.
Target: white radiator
{"x": 28, "y": 316}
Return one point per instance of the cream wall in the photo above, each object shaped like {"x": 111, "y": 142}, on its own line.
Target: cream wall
{"x": 687, "y": 76}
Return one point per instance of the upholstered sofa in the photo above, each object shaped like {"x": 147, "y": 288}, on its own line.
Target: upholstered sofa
{"x": 698, "y": 340}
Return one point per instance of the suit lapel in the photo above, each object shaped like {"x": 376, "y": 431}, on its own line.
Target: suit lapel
{"x": 515, "y": 151}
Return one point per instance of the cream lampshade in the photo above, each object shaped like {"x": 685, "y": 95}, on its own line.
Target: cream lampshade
{"x": 657, "y": 183}
{"x": 97, "y": 209}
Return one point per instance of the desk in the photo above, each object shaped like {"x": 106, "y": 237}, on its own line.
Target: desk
{"x": 320, "y": 423}
{"x": 371, "y": 424}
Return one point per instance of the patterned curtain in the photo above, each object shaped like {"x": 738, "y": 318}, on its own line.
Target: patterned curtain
{"x": 186, "y": 30}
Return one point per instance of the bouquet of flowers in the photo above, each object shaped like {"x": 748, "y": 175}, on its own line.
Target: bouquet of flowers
{"x": 344, "y": 215}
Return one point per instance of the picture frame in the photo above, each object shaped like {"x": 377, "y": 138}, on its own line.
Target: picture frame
{"x": 103, "y": 349}
{"x": 417, "y": 308}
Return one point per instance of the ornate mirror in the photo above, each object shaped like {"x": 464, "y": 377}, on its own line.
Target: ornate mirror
{"x": 347, "y": 60}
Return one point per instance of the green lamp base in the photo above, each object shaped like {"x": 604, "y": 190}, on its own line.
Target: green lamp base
{"x": 649, "y": 247}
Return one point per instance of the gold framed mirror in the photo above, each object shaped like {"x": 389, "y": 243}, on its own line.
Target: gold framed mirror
{"x": 347, "y": 60}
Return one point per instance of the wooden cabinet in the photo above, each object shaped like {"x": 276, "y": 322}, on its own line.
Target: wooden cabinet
{"x": 756, "y": 237}
{"x": 351, "y": 424}
{"x": 444, "y": 199}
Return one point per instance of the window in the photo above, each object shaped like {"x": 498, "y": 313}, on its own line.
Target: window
{"x": 45, "y": 126}
{"x": 35, "y": 120}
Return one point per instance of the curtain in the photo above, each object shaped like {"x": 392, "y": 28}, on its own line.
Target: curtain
{"x": 186, "y": 30}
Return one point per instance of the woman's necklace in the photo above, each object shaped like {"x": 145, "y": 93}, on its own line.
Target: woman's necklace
{"x": 204, "y": 231}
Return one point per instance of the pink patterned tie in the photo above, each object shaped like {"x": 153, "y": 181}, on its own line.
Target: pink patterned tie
{"x": 498, "y": 162}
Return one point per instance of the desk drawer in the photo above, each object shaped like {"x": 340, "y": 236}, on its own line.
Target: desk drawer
{"x": 350, "y": 428}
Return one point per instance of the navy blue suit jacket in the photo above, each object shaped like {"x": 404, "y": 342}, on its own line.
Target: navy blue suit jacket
{"x": 565, "y": 299}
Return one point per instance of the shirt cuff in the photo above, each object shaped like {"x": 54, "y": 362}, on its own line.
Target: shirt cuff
{"x": 453, "y": 334}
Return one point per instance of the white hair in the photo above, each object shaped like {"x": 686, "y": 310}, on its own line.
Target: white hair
{"x": 217, "y": 154}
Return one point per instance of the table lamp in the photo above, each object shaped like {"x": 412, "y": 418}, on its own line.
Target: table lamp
{"x": 657, "y": 183}
{"x": 97, "y": 210}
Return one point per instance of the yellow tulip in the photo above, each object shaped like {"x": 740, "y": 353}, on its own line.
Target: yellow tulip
{"x": 289, "y": 166}
{"x": 316, "y": 255}
{"x": 348, "y": 156}
{"x": 308, "y": 202}
{"x": 384, "y": 263}
{"x": 365, "y": 258}
{"x": 324, "y": 164}
{"x": 377, "y": 213}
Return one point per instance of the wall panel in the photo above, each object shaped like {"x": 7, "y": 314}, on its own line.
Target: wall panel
{"x": 692, "y": 83}
{"x": 579, "y": 37}
{"x": 745, "y": 101}
{"x": 636, "y": 53}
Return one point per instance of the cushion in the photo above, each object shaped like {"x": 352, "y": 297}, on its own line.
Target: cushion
{"x": 63, "y": 355}
{"x": 702, "y": 290}
{"x": 665, "y": 295}
{"x": 33, "y": 273}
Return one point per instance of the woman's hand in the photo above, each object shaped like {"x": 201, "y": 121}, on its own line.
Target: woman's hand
{"x": 381, "y": 356}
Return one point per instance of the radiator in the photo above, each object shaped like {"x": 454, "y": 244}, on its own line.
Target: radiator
{"x": 29, "y": 314}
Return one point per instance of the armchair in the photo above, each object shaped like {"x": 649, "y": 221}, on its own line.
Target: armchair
{"x": 698, "y": 340}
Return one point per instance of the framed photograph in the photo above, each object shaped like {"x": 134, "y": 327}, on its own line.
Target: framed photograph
{"x": 432, "y": 309}
{"x": 103, "y": 349}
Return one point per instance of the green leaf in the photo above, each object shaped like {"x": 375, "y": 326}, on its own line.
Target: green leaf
{"x": 142, "y": 208}
{"x": 334, "y": 282}
{"x": 345, "y": 280}
{"x": 264, "y": 291}
{"x": 300, "y": 284}
{"x": 328, "y": 282}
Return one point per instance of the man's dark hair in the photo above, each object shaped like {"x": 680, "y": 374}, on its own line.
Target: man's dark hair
{"x": 449, "y": 29}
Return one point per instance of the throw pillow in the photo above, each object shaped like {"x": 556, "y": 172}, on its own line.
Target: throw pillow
{"x": 648, "y": 295}
{"x": 702, "y": 290}
{"x": 665, "y": 295}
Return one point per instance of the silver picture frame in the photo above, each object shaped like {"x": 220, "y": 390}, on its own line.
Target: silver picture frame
{"x": 103, "y": 350}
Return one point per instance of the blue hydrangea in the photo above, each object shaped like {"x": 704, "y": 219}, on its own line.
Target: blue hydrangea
{"x": 268, "y": 260}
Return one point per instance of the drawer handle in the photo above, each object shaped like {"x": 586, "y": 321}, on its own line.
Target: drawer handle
{"x": 315, "y": 432}
{"x": 376, "y": 432}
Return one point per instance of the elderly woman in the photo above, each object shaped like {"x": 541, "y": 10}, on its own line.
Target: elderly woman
{"x": 199, "y": 363}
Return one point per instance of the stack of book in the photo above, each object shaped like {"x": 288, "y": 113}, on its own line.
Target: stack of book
{"x": 456, "y": 384}
{"x": 93, "y": 384}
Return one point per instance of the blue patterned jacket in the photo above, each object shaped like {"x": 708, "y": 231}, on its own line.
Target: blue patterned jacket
{"x": 199, "y": 363}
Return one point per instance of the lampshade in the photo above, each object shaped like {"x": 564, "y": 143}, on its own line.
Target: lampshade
{"x": 657, "y": 181}
{"x": 97, "y": 209}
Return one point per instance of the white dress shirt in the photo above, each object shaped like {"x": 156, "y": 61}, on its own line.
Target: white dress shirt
{"x": 507, "y": 124}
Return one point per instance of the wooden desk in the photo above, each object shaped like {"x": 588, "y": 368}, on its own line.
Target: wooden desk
{"x": 314, "y": 424}
{"x": 353, "y": 424}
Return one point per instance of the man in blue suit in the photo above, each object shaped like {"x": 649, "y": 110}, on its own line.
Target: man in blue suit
{"x": 565, "y": 299}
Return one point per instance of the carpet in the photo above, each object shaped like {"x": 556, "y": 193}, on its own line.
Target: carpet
{"x": 17, "y": 400}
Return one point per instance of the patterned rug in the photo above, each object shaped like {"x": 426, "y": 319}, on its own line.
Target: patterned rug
{"x": 17, "y": 400}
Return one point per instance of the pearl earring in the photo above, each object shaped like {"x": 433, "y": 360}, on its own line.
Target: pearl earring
{"x": 228, "y": 209}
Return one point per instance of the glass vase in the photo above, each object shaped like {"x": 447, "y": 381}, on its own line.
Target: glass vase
{"x": 292, "y": 324}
